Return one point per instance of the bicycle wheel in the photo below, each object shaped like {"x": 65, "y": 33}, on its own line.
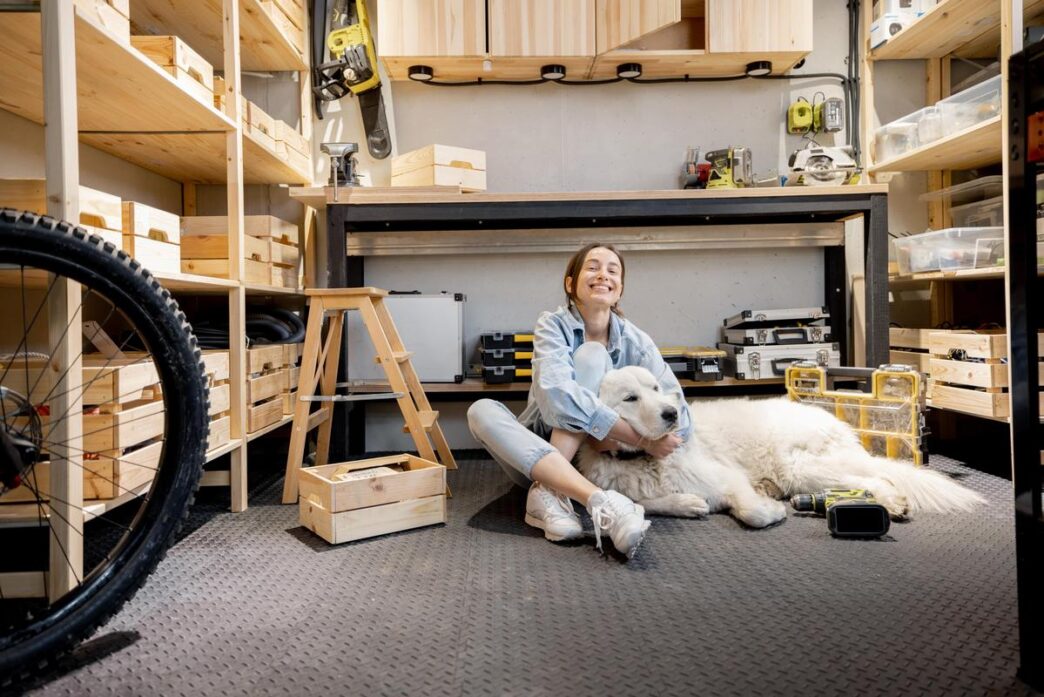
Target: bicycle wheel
{"x": 144, "y": 429}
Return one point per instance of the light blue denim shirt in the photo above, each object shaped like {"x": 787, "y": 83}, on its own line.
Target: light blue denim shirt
{"x": 555, "y": 399}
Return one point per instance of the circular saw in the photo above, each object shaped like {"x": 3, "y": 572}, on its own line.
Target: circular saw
{"x": 823, "y": 166}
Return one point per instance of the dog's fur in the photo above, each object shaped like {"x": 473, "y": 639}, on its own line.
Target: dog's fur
{"x": 745, "y": 454}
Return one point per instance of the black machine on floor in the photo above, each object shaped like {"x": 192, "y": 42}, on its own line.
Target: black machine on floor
{"x": 849, "y": 512}
{"x": 342, "y": 29}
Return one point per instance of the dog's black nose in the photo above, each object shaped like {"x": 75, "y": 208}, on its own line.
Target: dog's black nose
{"x": 669, "y": 415}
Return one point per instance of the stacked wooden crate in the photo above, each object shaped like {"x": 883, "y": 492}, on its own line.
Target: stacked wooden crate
{"x": 258, "y": 124}
{"x": 969, "y": 372}
{"x": 216, "y": 366}
{"x": 123, "y": 422}
{"x": 266, "y": 376}
{"x": 270, "y": 249}
{"x": 441, "y": 165}
{"x": 152, "y": 236}
{"x": 292, "y": 364}
{"x": 112, "y": 16}
{"x": 191, "y": 71}
{"x": 292, "y": 147}
{"x": 289, "y": 18}
{"x": 100, "y": 213}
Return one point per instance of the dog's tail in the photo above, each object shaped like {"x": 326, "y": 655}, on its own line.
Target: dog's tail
{"x": 927, "y": 490}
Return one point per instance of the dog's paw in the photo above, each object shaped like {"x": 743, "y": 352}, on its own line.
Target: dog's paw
{"x": 897, "y": 506}
{"x": 681, "y": 505}
{"x": 767, "y": 487}
{"x": 767, "y": 512}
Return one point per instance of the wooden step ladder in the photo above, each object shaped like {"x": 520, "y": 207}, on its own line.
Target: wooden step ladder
{"x": 319, "y": 369}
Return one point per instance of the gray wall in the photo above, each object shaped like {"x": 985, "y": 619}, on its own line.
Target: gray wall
{"x": 615, "y": 137}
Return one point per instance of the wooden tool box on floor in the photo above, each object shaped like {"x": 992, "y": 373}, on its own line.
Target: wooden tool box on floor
{"x": 100, "y": 213}
{"x": 353, "y": 500}
{"x": 270, "y": 248}
{"x": 123, "y": 422}
{"x": 969, "y": 371}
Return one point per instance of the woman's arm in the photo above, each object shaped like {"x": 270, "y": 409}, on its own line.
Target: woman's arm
{"x": 563, "y": 403}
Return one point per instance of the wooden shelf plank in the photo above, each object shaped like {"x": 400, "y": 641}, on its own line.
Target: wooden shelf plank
{"x": 962, "y": 275}
{"x": 973, "y": 147}
{"x": 193, "y": 282}
{"x": 666, "y": 63}
{"x": 28, "y": 514}
{"x": 261, "y": 45}
{"x": 223, "y": 449}
{"x": 197, "y": 157}
{"x": 118, "y": 88}
{"x": 255, "y": 289}
{"x": 944, "y": 29}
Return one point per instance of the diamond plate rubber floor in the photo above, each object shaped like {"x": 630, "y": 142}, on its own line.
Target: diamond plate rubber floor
{"x": 252, "y": 604}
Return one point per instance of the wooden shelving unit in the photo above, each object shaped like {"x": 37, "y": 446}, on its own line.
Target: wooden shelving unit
{"x": 129, "y": 107}
{"x": 953, "y": 28}
{"x": 477, "y": 386}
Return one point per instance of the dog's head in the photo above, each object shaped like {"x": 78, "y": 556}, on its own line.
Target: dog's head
{"x": 634, "y": 394}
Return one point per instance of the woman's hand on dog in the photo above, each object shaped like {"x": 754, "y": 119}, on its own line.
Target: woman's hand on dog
{"x": 661, "y": 447}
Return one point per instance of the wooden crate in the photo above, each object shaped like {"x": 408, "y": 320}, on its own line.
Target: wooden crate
{"x": 266, "y": 141}
{"x": 215, "y": 363}
{"x": 284, "y": 277}
{"x": 146, "y": 221}
{"x": 216, "y": 247}
{"x": 220, "y": 399}
{"x": 920, "y": 360}
{"x": 264, "y": 414}
{"x": 154, "y": 255}
{"x": 291, "y": 378}
{"x": 441, "y": 165}
{"x": 113, "y": 237}
{"x": 131, "y": 425}
{"x": 292, "y": 354}
{"x": 192, "y": 72}
{"x": 259, "y": 272}
{"x": 258, "y": 118}
{"x": 991, "y": 344}
{"x": 342, "y": 511}
{"x": 265, "y": 386}
{"x": 289, "y": 402}
{"x": 220, "y": 432}
{"x": 106, "y": 475}
{"x": 266, "y": 226}
{"x": 112, "y": 16}
{"x": 288, "y": 135}
{"x": 294, "y": 33}
{"x": 298, "y": 160}
{"x": 97, "y": 208}
{"x": 294, "y": 11}
{"x": 264, "y": 358}
{"x": 910, "y": 338}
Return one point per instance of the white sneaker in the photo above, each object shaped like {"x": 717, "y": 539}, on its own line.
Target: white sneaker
{"x": 553, "y": 513}
{"x": 620, "y": 517}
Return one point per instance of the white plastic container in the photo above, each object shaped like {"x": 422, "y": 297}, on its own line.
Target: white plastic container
{"x": 951, "y": 249}
{"x": 971, "y": 106}
{"x": 975, "y": 190}
{"x": 896, "y": 138}
{"x": 988, "y": 213}
{"x": 929, "y": 125}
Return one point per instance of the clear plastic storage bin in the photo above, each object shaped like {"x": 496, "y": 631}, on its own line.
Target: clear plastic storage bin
{"x": 988, "y": 213}
{"x": 896, "y": 138}
{"x": 951, "y": 249}
{"x": 971, "y": 106}
{"x": 975, "y": 190}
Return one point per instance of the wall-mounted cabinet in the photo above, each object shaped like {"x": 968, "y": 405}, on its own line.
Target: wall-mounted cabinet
{"x": 591, "y": 37}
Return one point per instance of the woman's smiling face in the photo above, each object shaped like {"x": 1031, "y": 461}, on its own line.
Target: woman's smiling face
{"x": 600, "y": 282}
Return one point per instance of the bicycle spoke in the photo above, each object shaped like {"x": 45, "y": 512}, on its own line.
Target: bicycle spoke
{"x": 25, "y": 331}
{"x": 61, "y": 547}
{"x": 79, "y": 451}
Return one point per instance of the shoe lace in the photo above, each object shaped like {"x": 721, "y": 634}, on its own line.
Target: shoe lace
{"x": 565, "y": 505}
{"x": 603, "y": 518}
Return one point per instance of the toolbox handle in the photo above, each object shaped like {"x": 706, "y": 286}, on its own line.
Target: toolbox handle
{"x": 789, "y": 335}
{"x": 780, "y": 365}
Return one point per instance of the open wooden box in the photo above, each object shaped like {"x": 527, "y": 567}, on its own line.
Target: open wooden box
{"x": 342, "y": 511}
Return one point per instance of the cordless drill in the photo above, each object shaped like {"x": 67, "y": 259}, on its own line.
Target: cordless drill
{"x": 849, "y": 512}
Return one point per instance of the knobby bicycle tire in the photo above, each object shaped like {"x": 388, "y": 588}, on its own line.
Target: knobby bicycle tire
{"x": 61, "y": 248}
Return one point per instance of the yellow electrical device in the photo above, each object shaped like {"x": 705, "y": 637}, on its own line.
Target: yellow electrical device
{"x": 799, "y": 117}
{"x": 887, "y": 413}
{"x": 354, "y": 44}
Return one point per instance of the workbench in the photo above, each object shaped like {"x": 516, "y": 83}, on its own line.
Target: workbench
{"x": 368, "y": 221}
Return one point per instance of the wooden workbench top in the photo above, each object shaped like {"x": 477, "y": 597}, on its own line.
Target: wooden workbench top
{"x": 318, "y": 196}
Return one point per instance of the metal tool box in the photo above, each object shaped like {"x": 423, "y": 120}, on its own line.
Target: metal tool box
{"x": 705, "y": 364}
{"x": 778, "y": 335}
{"x": 769, "y": 361}
{"x": 432, "y": 329}
{"x": 520, "y": 358}
{"x": 500, "y": 375}
{"x": 506, "y": 340}
{"x": 674, "y": 357}
{"x": 788, "y": 316}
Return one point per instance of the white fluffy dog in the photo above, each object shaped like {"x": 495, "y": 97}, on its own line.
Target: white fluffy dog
{"x": 745, "y": 454}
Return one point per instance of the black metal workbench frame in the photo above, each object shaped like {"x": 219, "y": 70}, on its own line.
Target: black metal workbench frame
{"x": 772, "y": 208}
{"x": 1025, "y": 98}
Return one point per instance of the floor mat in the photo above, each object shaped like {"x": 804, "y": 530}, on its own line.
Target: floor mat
{"x": 253, "y": 604}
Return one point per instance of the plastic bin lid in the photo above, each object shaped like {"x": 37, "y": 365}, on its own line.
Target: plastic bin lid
{"x": 985, "y": 204}
{"x": 968, "y": 192}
